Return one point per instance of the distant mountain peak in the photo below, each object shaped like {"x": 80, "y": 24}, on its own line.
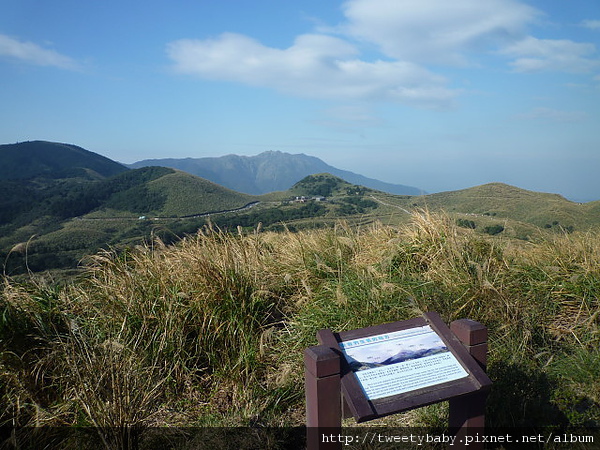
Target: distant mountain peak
{"x": 269, "y": 171}
{"x": 272, "y": 152}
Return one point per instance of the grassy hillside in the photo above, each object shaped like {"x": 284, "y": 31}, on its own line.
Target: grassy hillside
{"x": 211, "y": 331}
{"x": 521, "y": 213}
{"x": 506, "y": 201}
{"x": 187, "y": 194}
{"x": 315, "y": 201}
{"x": 58, "y": 222}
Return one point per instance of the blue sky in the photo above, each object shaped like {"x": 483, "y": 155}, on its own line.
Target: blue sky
{"x": 437, "y": 94}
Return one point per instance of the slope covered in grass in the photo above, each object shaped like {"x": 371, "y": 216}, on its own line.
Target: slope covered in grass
{"x": 505, "y": 201}
{"x": 187, "y": 194}
{"x": 211, "y": 331}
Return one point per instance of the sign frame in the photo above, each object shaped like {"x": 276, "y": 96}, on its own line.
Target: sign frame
{"x": 364, "y": 409}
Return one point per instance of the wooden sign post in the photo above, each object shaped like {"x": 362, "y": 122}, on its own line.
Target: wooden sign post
{"x": 395, "y": 367}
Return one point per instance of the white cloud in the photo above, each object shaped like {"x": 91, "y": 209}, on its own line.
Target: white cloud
{"x": 317, "y": 66}
{"x": 591, "y": 24}
{"x": 436, "y": 31}
{"x": 34, "y": 54}
{"x": 534, "y": 55}
{"x": 408, "y": 33}
{"x": 554, "y": 115}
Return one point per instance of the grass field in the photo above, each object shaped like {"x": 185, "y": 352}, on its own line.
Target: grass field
{"x": 211, "y": 331}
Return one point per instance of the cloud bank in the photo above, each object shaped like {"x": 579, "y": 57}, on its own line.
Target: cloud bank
{"x": 436, "y": 31}
{"x": 317, "y": 66}
{"x": 414, "y": 40}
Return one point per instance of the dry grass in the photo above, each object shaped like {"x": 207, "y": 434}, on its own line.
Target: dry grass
{"x": 211, "y": 330}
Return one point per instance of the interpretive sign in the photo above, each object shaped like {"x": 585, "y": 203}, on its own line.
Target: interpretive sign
{"x": 403, "y": 365}
{"x": 401, "y": 361}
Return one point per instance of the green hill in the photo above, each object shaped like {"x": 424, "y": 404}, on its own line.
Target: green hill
{"x": 32, "y": 159}
{"x": 502, "y": 201}
{"x": 163, "y": 192}
{"x": 187, "y": 194}
{"x": 65, "y": 219}
{"x": 325, "y": 185}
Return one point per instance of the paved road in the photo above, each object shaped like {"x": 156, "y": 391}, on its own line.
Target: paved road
{"x": 190, "y": 216}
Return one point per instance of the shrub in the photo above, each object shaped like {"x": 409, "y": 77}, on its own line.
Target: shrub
{"x": 465, "y": 223}
{"x": 493, "y": 229}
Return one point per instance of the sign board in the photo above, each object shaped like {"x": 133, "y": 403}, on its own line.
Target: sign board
{"x": 403, "y": 365}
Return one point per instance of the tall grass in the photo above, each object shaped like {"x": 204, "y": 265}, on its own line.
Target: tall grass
{"x": 211, "y": 331}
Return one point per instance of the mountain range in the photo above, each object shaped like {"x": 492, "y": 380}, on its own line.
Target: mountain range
{"x": 268, "y": 172}
{"x": 61, "y": 202}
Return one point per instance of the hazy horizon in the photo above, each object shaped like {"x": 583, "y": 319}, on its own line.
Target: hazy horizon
{"x": 433, "y": 94}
